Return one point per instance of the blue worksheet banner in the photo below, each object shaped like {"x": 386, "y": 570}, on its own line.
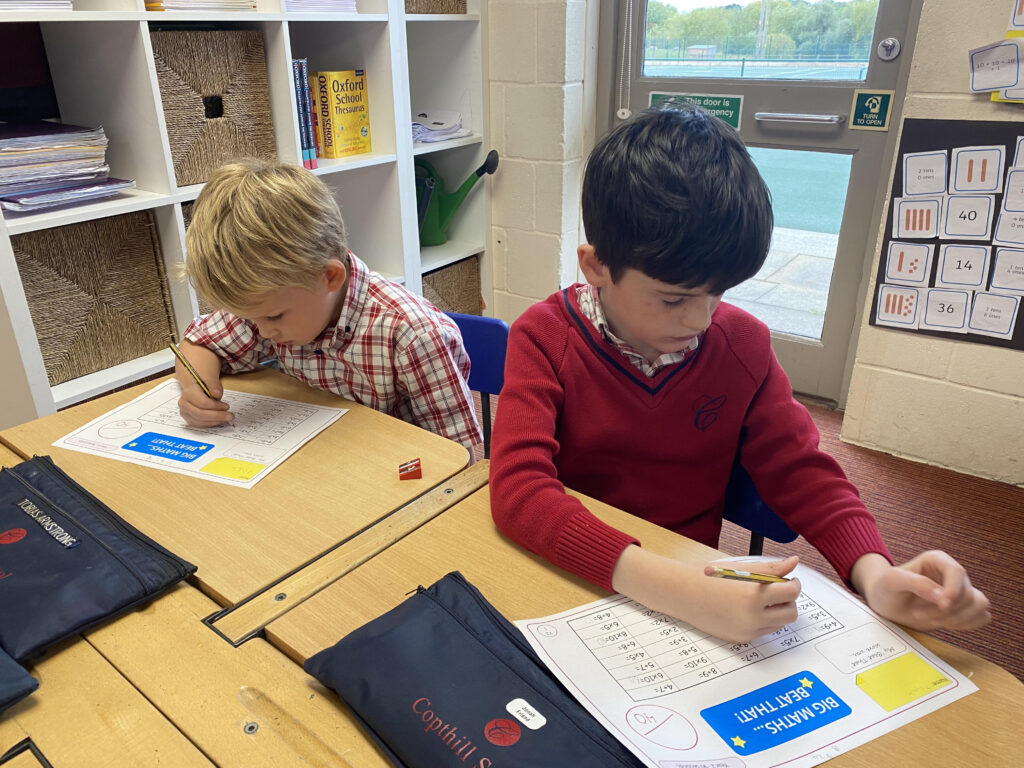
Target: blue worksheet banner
{"x": 167, "y": 446}
{"x": 777, "y": 713}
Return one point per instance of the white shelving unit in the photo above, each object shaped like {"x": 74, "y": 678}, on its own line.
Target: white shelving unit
{"x": 101, "y": 61}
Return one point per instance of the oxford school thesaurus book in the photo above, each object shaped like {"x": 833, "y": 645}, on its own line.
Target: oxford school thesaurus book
{"x": 343, "y": 111}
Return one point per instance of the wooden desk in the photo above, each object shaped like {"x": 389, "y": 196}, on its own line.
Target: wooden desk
{"x": 342, "y": 481}
{"x": 8, "y": 458}
{"x": 977, "y": 730}
{"x": 85, "y": 714}
{"x": 157, "y": 687}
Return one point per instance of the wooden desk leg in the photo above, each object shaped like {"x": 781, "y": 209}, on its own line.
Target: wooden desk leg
{"x": 248, "y": 618}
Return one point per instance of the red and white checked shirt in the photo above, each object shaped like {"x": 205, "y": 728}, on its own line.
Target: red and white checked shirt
{"x": 390, "y": 350}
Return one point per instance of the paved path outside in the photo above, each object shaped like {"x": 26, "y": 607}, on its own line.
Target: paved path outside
{"x": 791, "y": 290}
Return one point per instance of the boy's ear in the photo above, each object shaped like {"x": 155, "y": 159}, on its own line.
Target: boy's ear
{"x": 336, "y": 274}
{"x": 596, "y": 272}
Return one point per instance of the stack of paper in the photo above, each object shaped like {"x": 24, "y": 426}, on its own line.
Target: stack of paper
{"x": 35, "y": 5}
{"x": 320, "y": 6}
{"x": 200, "y": 5}
{"x": 45, "y": 157}
{"x": 52, "y": 198}
{"x": 429, "y": 125}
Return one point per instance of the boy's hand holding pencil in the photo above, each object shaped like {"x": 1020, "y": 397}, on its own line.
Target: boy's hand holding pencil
{"x": 198, "y": 373}
{"x": 734, "y": 608}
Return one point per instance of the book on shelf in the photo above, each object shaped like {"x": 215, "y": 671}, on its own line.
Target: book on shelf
{"x": 300, "y": 108}
{"x": 64, "y": 196}
{"x": 314, "y": 118}
{"x": 300, "y": 78}
{"x": 200, "y": 5}
{"x": 343, "y": 111}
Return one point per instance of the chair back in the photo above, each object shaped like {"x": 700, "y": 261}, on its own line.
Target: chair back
{"x": 745, "y": 507}
{"x": 485, "y": 340}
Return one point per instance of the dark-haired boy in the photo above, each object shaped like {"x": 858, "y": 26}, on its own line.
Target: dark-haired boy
{"x": 640, "y": 389}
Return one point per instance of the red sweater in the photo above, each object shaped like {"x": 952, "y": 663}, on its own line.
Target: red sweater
{"x": 575, "y": 413}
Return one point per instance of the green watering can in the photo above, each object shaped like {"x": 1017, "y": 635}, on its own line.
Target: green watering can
{"x": 435, "y": 207}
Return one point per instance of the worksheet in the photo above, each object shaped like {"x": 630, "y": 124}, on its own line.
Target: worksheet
{"x": 677, "y": 697}
{"x": 149, "y": 431}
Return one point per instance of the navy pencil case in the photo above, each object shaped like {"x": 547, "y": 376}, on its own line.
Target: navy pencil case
{"x": 67, "y": 561}
{"x": 444, "y": 679}
{"x": 15, "y": 682}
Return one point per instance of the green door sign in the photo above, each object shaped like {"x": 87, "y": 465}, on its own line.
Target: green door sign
{"x": 870, "y": 110}
{"x": 726, "y": 108}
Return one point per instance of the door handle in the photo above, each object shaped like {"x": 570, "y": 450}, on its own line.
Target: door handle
{"x": 792, "y": 117}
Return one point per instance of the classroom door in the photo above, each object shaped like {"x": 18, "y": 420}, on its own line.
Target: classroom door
{"x": 785, "y": 73}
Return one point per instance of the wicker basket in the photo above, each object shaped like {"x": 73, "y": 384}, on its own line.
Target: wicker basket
{"x": 213, "y": 85}
{"x": 97, "y": 293}
{"x": 455, "y": 288}
{"x": 435, "y": 6}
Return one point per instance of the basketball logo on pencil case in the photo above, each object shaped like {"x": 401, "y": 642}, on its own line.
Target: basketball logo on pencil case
{"x": 502, "y": 732}
{"x": 13, "y": 535}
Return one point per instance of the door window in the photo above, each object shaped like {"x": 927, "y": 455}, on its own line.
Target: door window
{"x": 763, "y": 39}
{"x": 808, "y": 190}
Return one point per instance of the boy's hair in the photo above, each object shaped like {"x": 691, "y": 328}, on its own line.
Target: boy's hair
{"x": 258, "y": 226}
{"x": 674, "y": 194}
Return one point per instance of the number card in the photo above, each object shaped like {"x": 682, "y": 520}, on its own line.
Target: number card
{"x": 1013, "y": 198}
{"x": 909, "y": 263}
{"x": 915, "y": 217}
{"x": 946, "y": 310}
{"x": 1018, "y": 158}
{"x": 968, "y": 217}
{"x": 898, "y": 306}
{"x": 995, "y": 66}
{"x": 1009, "y": 229}
{"x": 1008, "y": 273}
{"x": 977, "y": 169}
{"x": 962, "y": 266}
{"x": 1016, "y": 15}
{"x": 994, "y": 314}
{"x": 924, "y": 173}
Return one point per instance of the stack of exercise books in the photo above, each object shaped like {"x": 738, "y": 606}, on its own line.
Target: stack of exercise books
{"x": 35, "y": 5}
{"x": 319, "y": 6}
{"x": 44, "y": 165}
{"x": 200, "y": 5}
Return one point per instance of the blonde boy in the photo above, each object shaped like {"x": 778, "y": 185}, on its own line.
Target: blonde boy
{"x": 267, "y": 247}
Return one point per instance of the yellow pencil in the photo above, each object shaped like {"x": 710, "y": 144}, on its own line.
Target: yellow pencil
{"x": 729, "y": 573}
{"x": 191, "y": 370}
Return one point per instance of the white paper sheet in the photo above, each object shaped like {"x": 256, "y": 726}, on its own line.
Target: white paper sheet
{"x": 679, "y": 698}
{"x": 149, "y": 431}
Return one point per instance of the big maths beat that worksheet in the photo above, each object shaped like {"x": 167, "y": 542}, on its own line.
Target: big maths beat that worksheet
{"x": 837, "y": 677}
{"x": 149, "y": 431}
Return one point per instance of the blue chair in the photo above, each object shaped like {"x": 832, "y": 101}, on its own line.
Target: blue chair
{"x": 745, "y": 507}
{"x": 485, "y": 339}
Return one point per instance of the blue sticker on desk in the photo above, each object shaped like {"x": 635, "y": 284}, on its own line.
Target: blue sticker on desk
{"x": 167, "y": 447}
{"x": 775, "y": 714}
